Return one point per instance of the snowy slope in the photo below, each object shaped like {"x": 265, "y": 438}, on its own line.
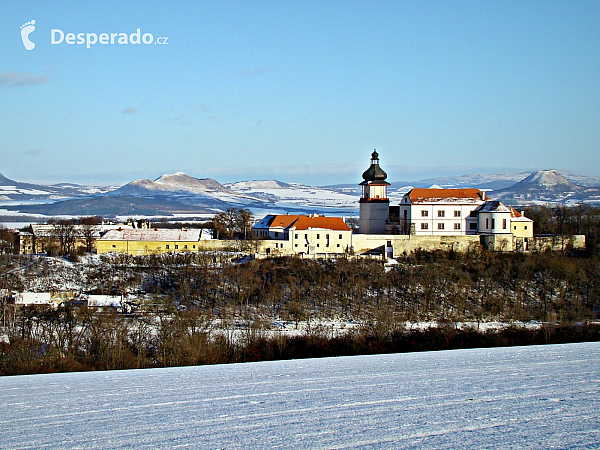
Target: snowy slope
{"x": 11, "y": 190}
{"x": 503, "y": 398}
{"x": 546, "y": 186}
{"x": 287, "y": 195}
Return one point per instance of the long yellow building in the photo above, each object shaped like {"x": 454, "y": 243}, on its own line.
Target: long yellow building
{"x": 149, "y": 241}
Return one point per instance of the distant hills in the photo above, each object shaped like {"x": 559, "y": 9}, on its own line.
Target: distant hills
{"x": 181, "y": 194}
{"x": 11, "y": 190}
{"x": 547, "y": 186}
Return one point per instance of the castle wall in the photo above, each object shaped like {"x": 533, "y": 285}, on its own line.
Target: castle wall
{"x": 401, "y": 243}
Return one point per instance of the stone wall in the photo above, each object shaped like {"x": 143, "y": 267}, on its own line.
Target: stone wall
{"x": 406, "y": 244}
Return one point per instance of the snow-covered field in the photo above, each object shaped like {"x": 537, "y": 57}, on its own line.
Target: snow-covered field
{"x": 520, "y": 397}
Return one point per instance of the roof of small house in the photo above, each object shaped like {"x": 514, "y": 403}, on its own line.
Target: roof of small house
{"x": 516, "y": 216}
{"x": 51, "y": 230}
{"x": 421, "y": 195}
{"x": 494, "y": 206}
{"x": 154, "y": 234}
{"x": 298, "y": 222}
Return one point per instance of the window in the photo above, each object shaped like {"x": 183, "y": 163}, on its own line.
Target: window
{"x": 296, "y": 236}
{"x": 340, "y": 236}
{"x": 493, "y": 223}
{"x": 424, "y": 213}
{"x": 440, "y": 226}
{"x": 456, "y": 213}
{"x": 457, "y": 226}
{"x": 318, "y": 245}
{"x": 424, "y": 226}
{"x": 277, "y": 234}
{"x": 472, "y": 226}
{"x": 176, "y": 247}
{"x": 194, "y": 246}
{"x": 441, "y": 213}
{"x": 305, "y": 236}
{"x": 167, "y": 246}
{"x": 318, "y": 236}
{"x": 114, "y": 246}
{"x": 525, "y": 227}
{"x": 515, "y": 227}
{"x": 185, "y": 247}
{"x": 295, "y": 245}
{"x": 504, "y": 224}
{"x": 338, "y": 245}
{"x": 487, "y": 223}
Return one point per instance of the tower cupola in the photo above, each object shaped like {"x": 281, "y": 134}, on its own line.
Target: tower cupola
{"x": 374, "y": 202}
{"x": 374, "y": 172}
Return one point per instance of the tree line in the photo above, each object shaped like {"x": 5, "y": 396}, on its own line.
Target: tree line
{"x": 207, "y": 309}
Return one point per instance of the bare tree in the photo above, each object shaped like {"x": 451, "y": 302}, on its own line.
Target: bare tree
{"x": 89, "y": 231}
{"x": 233, "y": 223}
{"x": 65, "y": 233}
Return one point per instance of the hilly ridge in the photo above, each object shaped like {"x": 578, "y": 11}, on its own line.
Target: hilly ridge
{"x": 179, "y": 193}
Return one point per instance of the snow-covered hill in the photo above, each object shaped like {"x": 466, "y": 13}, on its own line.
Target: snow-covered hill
{"x": 179, "y": 193}
{"x": 546, "y": 186}
{"x": 497, "y": 398}
{"x": 290, "y": 195}
{"x": 11, "y": 190}
{"x": 200, "y": 192}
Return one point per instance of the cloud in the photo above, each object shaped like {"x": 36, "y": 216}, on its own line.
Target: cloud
{"x": 34, "y": 151}
{"x": 14, "y": 79}
{"x": 130, "y": 110}
{"x": 180, "y": 120}
{"x": 250, "y": 73}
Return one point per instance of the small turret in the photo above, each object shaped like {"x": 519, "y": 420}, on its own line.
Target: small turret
{"x": 374, "y": 203}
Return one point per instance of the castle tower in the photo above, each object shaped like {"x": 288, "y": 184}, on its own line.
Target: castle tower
{"x": 374, "y": 202}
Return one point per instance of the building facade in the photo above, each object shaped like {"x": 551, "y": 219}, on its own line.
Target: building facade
{"x": 149, "y": 241}
{"x": 303, "y": 235}
{"x": 440, "y": 212}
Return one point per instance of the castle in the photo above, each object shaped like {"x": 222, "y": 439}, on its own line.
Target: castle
{"x": 426, "y": 219}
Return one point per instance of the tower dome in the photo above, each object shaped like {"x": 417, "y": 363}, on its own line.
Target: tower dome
{"x": 374, "y": 172}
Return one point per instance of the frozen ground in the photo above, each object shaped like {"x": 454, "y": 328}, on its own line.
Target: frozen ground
{"x": 520, "y": 397}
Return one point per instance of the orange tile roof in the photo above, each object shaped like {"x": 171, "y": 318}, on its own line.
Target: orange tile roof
{"x": 420, "y": 195}
{"x": 305, "y": 222}
{"x": 327, "y": 223}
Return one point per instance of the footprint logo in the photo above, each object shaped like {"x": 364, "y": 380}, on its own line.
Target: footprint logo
{"x": 26, "y": 30}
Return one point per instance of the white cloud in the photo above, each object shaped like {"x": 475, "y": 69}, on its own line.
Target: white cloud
{"x": 250, "y": 73}
{"x": 14, "y": 79}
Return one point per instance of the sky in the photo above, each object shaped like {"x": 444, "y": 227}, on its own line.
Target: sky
{"x": 299, "y": 91}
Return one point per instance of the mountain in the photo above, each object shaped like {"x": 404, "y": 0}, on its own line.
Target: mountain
{"x": 200, "y": 192}
{"x": 11, "y": 190}
{"x": 291, "y": 196}
{"x": 546, "y": 186}
{"x": 181, "y": 194}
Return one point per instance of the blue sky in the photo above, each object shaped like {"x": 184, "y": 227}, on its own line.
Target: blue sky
{"x": 300, "y": 91}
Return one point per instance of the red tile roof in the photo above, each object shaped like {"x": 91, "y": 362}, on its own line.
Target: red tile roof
{"x": 303, "y": 222}
{"x": 419, "y": 195}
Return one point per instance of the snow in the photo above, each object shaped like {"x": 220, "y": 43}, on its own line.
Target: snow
{"x": 504, "y": 398}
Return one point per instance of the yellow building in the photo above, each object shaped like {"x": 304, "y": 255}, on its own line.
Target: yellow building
{"x": 149, "y": 241}
{"x": 303, "y": 235}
